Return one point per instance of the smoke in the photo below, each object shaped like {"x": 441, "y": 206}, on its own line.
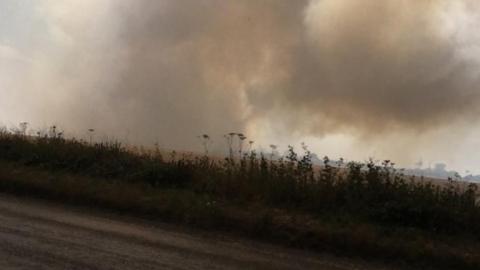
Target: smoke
{"x": 376, "y": 65}
{"x": 189, "y": 63}
{"x": 163, "y": 71}
{"x": 169, "y": 70}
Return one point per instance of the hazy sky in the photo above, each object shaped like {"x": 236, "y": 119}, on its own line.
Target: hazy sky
{"x": 352, "y": 78}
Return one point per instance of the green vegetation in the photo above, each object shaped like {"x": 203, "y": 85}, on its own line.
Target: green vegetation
{"x": 369, "y": 210}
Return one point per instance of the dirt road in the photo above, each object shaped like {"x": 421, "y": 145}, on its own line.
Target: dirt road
{"x": 39, "y": 235}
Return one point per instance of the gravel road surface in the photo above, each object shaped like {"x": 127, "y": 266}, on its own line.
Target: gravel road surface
{"x": 39, "y": 235}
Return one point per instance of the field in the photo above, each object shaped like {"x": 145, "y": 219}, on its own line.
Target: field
{"x": 369, "y": 210}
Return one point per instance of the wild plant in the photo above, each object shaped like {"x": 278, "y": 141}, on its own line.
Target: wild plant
{"x": 374, "y": 191}
{"x": 206, "y": 142}
{"x": 91, "y": 134}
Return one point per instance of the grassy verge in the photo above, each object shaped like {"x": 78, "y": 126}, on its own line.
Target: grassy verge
{"x": 399, "y": 246}
{"x": 369, "y": 210}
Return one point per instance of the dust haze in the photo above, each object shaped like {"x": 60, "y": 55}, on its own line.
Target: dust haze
{"x": 166, "y": 71}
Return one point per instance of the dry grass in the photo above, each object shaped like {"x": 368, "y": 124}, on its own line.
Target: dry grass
{"x": 368, "y": 210}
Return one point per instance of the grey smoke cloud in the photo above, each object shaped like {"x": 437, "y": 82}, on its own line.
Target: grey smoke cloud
{"x": 188, "y": 63}
{"x": 161, "y": 71}
{"x": 170, "y": 70}
{"x": 375, "y": 65}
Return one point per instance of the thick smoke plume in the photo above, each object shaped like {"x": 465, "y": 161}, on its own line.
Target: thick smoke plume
{"x": 168, "y": 70}
{"x": 380, "y": 64}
